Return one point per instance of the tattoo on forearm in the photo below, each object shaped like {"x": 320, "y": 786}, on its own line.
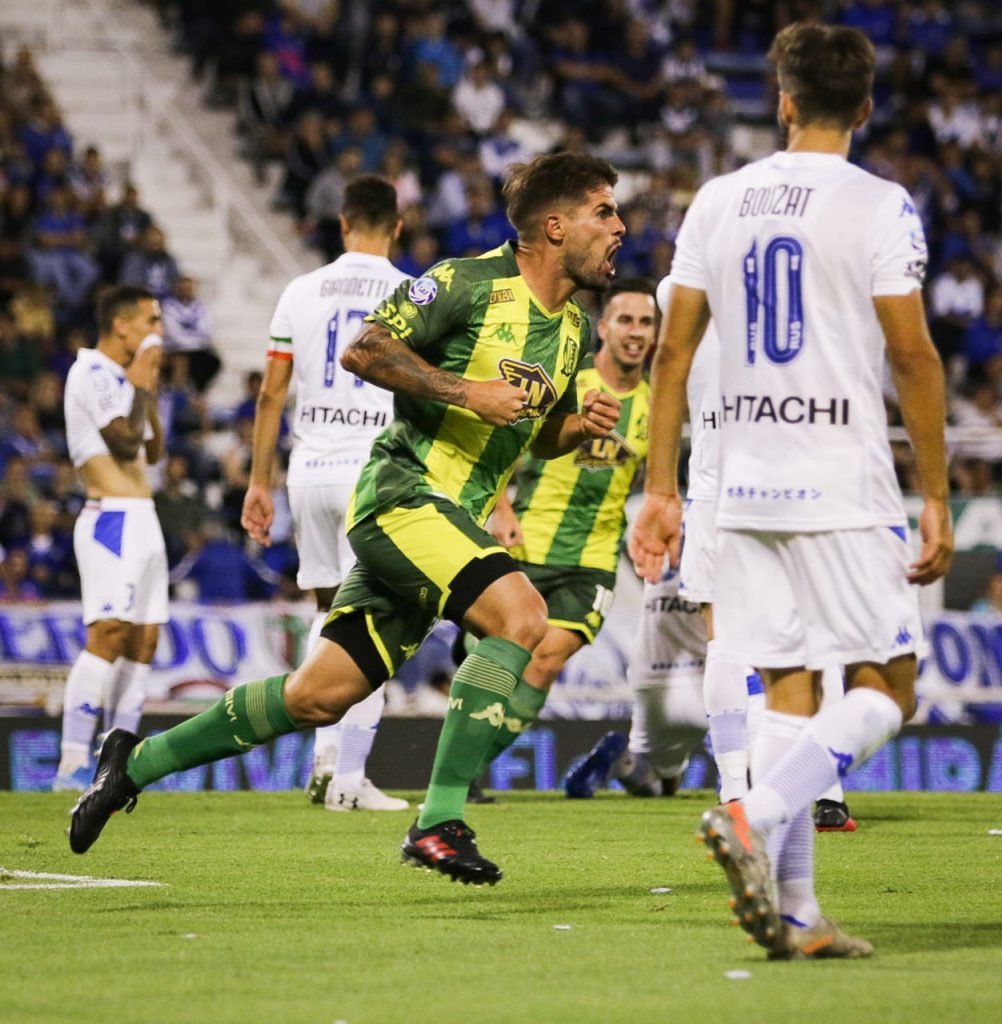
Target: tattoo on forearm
{"x": 376, "y": 356}
{"x": 138, "y": 412}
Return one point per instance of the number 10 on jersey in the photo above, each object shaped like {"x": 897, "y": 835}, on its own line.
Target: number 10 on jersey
{"x": 767, "y": 292}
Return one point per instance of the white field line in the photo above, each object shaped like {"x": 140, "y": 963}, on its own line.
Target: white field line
{"x": 46, "y": 880}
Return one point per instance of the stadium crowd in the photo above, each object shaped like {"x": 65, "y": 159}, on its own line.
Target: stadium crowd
{"x": 441, "y": 97}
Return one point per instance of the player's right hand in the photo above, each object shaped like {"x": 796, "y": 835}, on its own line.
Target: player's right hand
{"x": 144, "y": 370}
{"x": 258, "y": 514}
{"x": 505, "y": 527}
{"x": 657, "y": 531}
{"x": 496, "y": 401}
{"x": 936, "y": 531}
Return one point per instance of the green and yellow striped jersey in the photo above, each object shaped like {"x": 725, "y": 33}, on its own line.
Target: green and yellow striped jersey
{"x": 572, "y": 509}
{"x": 477, "y": 319}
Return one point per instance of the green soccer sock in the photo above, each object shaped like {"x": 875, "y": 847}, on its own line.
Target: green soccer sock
{"x": 245, "y": 717}
{"x": 524, "y": 706}
{"x": 480, "y": 691}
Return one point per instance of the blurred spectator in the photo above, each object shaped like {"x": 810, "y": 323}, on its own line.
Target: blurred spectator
{"x": 15, "y": 582}
{"x": 432, "y": 45}
{"x": 44, "y": 130}
{"x": 151, "y": 266}
{"x": 51, "y": 561}
{"x": 478, "y": 98}
{"x": 957, "y": 299}
{"x": 25, "y": 439}
{"x": 320, "y": 96}
{"x": 58, "y": 255}
{"x": 180, "y": 509}
{"x": 500, "y": 149}
{"x": 20, "y": 360}
{"x": 244, "y": 410}
{"x": 14, "y": 270}
{"x": 188, "y": 336}
{"x": 422, "y": 253}
{"x": 305, "y": 157}
{"x": 974, "y": 459}
{"x": 118, "y": 231}
{"x": 983, "y": 341}
{"x": 235, "y": 464}
{"x": 991, "y": 600}
{"x": 262, "y": 110}
{"x": 583, "y": 77}
{"x": 90, "y": 182}
{"x": 484, "y": 227}
{"x": 221, "y": 571}
{"x": 17, "y": 496}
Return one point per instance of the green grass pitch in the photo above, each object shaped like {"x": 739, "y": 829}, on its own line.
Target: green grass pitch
{"x": 277, "y": 912}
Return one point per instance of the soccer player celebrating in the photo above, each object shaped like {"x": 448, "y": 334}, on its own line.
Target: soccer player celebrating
{"x": 812, "y": 269}
{"x": 113, "y": 433}
{"x": 481, "y": 355}
{"x": 337, "y": 417}
{"x": 566, "y": 526}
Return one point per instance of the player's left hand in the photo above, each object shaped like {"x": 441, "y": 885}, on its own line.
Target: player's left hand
{"x": 657, "y": 531}
{"x": 599, "y": 413}
{"x": 258, "y": 514}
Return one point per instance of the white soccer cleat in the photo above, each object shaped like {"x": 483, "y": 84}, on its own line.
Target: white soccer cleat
{"x": 366, "y": 797}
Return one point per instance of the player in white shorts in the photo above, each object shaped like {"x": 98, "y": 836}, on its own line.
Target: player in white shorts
{"x": 337, "y": 417}
{"x": 113, "y": 433}
{"x": 734, "y": 698}
{"x": 812, "y": 271}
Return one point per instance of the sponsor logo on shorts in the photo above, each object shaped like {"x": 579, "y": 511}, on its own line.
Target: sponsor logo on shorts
{"x": 423, "y": 291}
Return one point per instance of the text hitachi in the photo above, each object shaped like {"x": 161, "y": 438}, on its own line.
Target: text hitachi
{"x": 811, "y": 409}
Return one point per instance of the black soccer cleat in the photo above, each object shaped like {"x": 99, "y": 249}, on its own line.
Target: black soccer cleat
{"x": 477, "y": 796}
{"x": 450, "y": 848}
{"x": 833, "y": 816}
{"x": 111, "y": 791}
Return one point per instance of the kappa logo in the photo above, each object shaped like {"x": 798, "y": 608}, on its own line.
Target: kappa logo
{"x": 535, "y": 381}
{"x": 493, "y": 713}
{"x": 444, "y": 273}
{"x": 603, "y": 453}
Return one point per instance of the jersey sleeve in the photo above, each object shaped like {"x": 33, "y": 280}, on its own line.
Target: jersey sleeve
{"x": 689, "y": 263}
{"x": 421, "y": 311}
{"x": 900, "y": 254}
{"x": 280, "y": 332}
{"x": 101, "y": 398}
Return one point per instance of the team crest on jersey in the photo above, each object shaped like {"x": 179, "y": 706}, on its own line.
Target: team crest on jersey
{"x": 408, "y": 309}
{"x": 533, "y": 379}
{"x": 603, "y": 453}
{"x": 571, "y": 349}
{"x": 422, "y": 291}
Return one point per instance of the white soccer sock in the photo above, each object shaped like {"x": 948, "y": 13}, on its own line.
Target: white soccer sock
{"x": 129, "y": 694}
{"x": 836, "y": 739}
{"x": 776, "y": 737}
{"x": 356, "y": 733}
{"x": 725, "y": 695}
{"x": 793, "y": 868}
{"x": 88, "y": 682}
{"x": 832, "y": 691}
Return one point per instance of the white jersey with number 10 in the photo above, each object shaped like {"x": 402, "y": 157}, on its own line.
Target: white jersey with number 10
{"x": 337, "y": 415}
{"x": 791, "y": 251}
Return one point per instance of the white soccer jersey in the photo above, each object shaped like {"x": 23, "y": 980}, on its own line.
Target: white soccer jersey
{"x": 337, "y": 415}
{"x": 97, "y": 392}
{"x": 791, "y": 251}
{"x": 702, "y": 391}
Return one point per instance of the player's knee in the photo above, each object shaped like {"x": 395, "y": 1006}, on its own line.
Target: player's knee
{"x": 525, "y": 624}
{"x": 313, "y": 698}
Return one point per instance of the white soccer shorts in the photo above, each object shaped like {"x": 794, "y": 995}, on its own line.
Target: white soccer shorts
{"x": 671, "y": 634}
{"x": 122, "y": 561}
{"x": 318, "y": 516}
{"x": 784, "y": 600}
{"x": 697, "y": 568}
